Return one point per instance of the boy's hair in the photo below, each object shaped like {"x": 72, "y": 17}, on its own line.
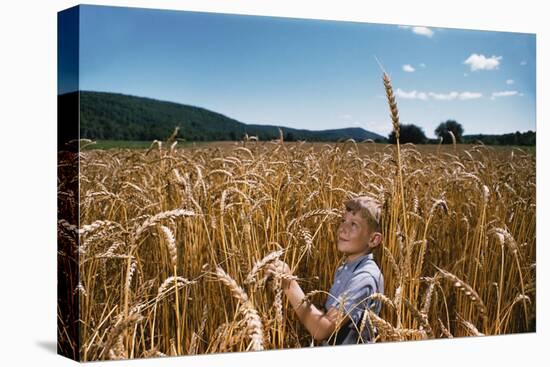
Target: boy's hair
{"x": 369, "y": 209}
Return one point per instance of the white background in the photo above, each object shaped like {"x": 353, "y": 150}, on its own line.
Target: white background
{"x": 28, "y": 181}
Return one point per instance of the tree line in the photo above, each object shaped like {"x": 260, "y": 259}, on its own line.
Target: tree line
{"x": 451, "y": 131}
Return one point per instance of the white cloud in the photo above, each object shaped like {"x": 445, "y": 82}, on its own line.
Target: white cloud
{"x": 406, "y": 95}
{"x": 443, "y": 96}
{"x": 423, "y": 31}
{"x": 480, "y": 62}
{"x": 412, "y": 95}
{"x": 469, "y": 95}
{"x": 424, "y": 96}
{"x": 506, "y": 93}
{"x": 510, "y": 81}
{"x": 408, "y": 68}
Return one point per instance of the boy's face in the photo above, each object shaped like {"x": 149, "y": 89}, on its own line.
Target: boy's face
{"x": 353, "y": 234}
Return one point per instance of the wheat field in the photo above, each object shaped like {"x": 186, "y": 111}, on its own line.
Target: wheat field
{"x": 173, "y": 243}
{"x": 170, "y": 253}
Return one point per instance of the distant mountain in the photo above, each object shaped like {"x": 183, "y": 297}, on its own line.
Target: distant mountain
{"x": 114, "y": 116}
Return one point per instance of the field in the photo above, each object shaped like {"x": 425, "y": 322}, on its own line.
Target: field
{"x": 130, "y": 144}
{"x": 172, "y": 242}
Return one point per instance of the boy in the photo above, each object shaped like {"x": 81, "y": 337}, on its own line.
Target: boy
{"x": 359, "y": 277}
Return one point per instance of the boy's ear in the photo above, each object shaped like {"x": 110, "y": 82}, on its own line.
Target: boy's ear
{"x": 375, "y": 239}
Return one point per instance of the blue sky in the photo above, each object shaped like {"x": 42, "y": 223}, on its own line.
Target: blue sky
{"x": 312, "y": 74}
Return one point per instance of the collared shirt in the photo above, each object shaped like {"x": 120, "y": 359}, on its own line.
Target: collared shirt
{"x": 354, "y": 281}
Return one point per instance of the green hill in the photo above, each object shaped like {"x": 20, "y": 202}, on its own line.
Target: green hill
{"x": 113, "y": 116}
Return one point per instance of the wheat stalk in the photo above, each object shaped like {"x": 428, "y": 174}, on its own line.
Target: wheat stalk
{"x": 169, "y": 214}
{"x": 171, "y": 244}
{"x": 260, "y": 264}
{"x": 254, "y": 323}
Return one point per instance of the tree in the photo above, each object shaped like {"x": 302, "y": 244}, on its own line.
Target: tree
{"x": 289, "y": 136}
{"x": 450, "y": 125}
{"x": 408, "y": 134}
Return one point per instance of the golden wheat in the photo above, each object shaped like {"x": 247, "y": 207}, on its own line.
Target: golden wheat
{"x": 458, "y": 253}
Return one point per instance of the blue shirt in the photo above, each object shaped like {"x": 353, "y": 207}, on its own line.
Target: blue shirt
{"x": 354, "y": 281}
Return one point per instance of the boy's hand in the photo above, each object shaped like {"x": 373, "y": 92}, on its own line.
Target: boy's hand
{"x": 335, "y": 316}
{"x": 280, "y": 269}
